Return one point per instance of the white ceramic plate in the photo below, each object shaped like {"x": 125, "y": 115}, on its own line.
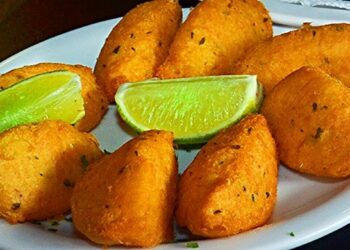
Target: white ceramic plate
{"x": 295, "y": 15}
{"x": 308, "y": 207}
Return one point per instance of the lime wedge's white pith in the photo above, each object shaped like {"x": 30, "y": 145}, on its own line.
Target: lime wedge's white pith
{"x": 54, "y": 95}
{"x": 193, "y": 108}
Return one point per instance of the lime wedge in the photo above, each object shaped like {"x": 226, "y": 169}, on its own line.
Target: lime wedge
{"x": 195, "y": 109}
{"x": 54, "y": 95}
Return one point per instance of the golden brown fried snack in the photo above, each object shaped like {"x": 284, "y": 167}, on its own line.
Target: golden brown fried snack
{"x": 128, "y": 197}
{"x": 95, "y": 102}
{"x": 39, "y": 165}
{"x": 325, "y": 46}
{"x": 137, "y": 45}
{"x": 215, "y": 34}
{"x": 309, "y": 115}
{"x": 231, "y": 186}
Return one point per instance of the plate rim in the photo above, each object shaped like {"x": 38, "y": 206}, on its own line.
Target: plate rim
{"x": 342, "y": 215}
{"x": 295, "y": 15}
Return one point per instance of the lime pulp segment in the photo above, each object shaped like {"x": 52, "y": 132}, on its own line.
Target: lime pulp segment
{"x": 193, "y": 108}
{"x": 54, "y": 95}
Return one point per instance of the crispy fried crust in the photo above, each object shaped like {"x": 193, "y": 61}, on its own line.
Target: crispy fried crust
{"x": 137, "y": 45}
{"x": 39, "y": 165}
{"x": 214, "y": 36}
{"x": 231, "y": 186}
{"x": 128, "y": 197}
{"x": 309, "y": 115}
{"x": 326, "y": 47}
{"x": 95, "y": 102}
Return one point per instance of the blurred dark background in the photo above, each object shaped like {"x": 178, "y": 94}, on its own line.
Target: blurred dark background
{"x": 26, "y": 22}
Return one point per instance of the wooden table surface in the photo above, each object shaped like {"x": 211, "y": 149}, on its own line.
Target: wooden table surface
{"x": 26, "y": 22}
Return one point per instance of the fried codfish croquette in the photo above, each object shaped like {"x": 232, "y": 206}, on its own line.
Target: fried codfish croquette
{"x": 127, "y": 198}
{"x": 39, "y": 165}
{"x": 138, "y": 44}
{"x": 309, "y": 115}
{"x": 95, "y": 102}
{"x": 231, "y": 185}
{"x": 215, "y": 34}
{"x": 327, "y": 47}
